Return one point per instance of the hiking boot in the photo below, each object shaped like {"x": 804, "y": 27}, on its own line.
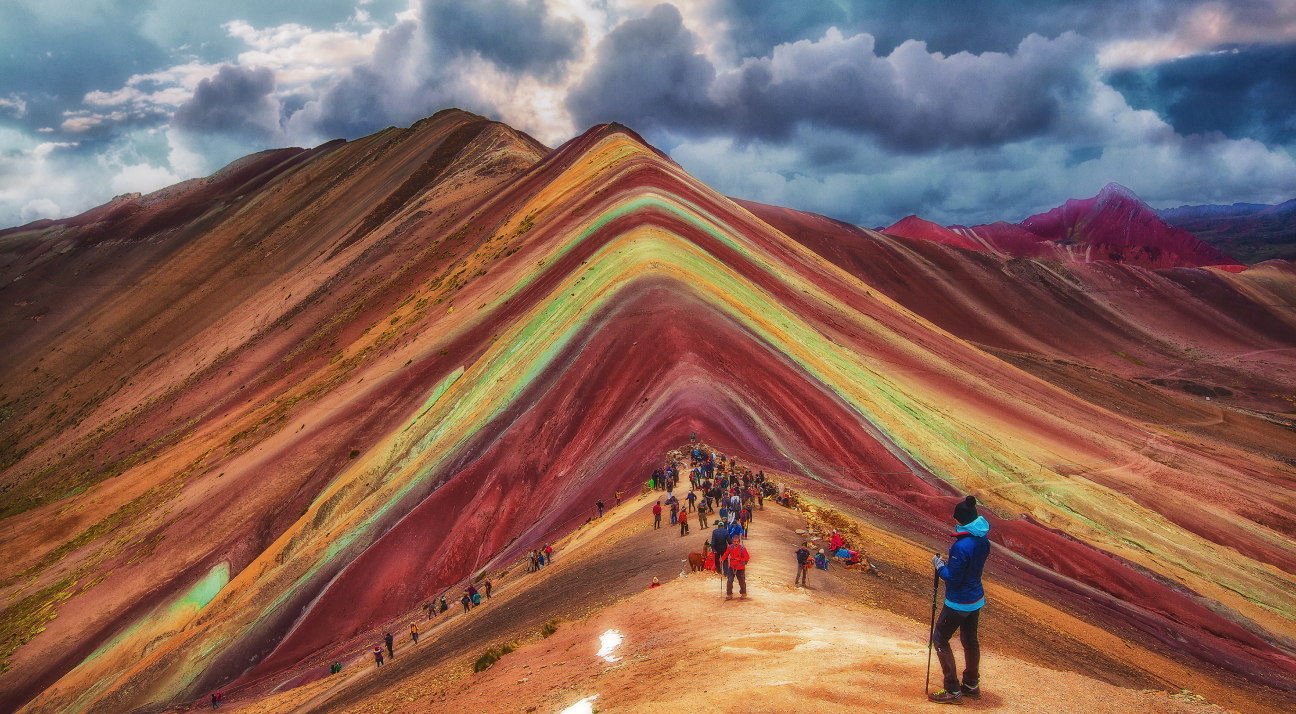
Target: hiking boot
{"x": 944, "y": 697}
{"x": 970, "y": 692}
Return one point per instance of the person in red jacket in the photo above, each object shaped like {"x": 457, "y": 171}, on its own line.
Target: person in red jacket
{"x": 737, "y": 556}
{"x": 657, "y": 515}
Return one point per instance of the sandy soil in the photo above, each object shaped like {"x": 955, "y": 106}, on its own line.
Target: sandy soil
{"x": 820, "y": 648}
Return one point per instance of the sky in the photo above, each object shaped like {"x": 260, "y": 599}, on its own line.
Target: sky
{"x": 864, "y": 110}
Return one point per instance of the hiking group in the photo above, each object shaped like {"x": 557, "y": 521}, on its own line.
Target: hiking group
{"x": 735, "y": 492}
{"x": 728, "y": 491}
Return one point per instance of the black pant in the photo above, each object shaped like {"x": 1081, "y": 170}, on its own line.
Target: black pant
{"x": 966, "y": 624}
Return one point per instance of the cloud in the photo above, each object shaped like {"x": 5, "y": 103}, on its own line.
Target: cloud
{"x": 13, "y": 105}
{"x": 1204, "y": 27}
{"x": 238, "y": 100}
{"x": 649, "y": 74}
{"x": 39, "y": 208}
{"x": 866, "y": 183}
{"x": 519, "y": 36}
{"x": 1243, "y": 93}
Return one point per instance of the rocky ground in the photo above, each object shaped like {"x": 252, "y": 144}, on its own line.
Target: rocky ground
{"x": 842, "y": 644}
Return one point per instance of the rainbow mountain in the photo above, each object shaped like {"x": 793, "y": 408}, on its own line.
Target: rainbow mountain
{"x": 251, "y": 416}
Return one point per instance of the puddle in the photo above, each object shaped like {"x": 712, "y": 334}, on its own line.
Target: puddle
{"x": 609, "y": 640}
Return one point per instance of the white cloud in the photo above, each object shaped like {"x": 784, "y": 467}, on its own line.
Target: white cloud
{"x": 142, "y": 178}
{"x": 1204, "y": 28}
{"x": 39, "y": 208}
{"x": 14, "y": 106}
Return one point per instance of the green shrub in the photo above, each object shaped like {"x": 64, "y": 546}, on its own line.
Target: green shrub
{"x": 488, "y": 658}
{"x": 508, "y": 647}
{"x": 550, "y": 627}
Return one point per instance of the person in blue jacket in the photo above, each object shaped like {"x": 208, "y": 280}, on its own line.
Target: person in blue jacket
{"x": 964, "y": 598}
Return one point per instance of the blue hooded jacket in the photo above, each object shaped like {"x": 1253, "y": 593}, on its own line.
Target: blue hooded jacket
{"x": 962, "y": 572}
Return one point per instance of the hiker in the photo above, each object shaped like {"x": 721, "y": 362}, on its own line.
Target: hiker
{"x": 674, "y": 512}
{"x": 719, "y": 543}
{"x": 600, "y": 507}
{"x": 702, "y": 514}
{"x": 836, "y": 542}
{"x": 487, "y": 587}
{"x": 215, "y": 700}
{"x": 803, "y": 565}
{"x": 444, "y": 606}
{"x": 378, "y": 655}
{"x": 473, "y": 595}
{"x": 821, "y": 560}
{"x": 683, "y": 524}
{"x": 964, "y": 598}
{"x": 692, "y": 499}
{"x": 548, "y": 550}
{"x": 466, "y": 602}
{"x": 737, "y": 557}
{"x": 431, "y": 609}
{"x": 389, "y": 640}
{"x": 735, "y": 529}
{"x": 618, "y": 497}
{"x": 414, "y": 632}
{"x": 655, "y": 584}
{"x": 657, "y": 515}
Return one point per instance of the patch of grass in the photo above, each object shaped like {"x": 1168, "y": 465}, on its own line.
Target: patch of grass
{"x": 488, "y": 658}
{"x": 550, "y": 627}
{"x": 508, "y": 647}
{"x": 1135, "y": 360}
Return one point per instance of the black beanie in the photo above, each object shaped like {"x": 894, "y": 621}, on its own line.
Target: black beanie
{"x": 966, "y": 511}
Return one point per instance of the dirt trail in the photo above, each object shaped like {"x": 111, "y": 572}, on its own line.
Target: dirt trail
{"x": 843, "y": 644}
{"x": 783, "y": 649}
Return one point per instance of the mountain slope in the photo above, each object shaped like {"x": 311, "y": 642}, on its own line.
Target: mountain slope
{"x": 444, "y": 373}
{"x": 1253, "y": 233}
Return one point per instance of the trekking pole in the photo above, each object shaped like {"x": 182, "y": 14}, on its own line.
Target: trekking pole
{"x": 931, "y": 631}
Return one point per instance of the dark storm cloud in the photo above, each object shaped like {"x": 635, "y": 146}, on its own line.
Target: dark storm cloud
{"x": 649, "y": 74}
{"x": 1247, "y": 94}
{"x": 516, "y": 35}
{"x": 238, "y": 100}
{"x": 373, "y": 95}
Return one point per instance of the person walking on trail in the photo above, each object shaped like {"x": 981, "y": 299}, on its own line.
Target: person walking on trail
{"x": 737, "y": 556}
{"x": 600, "y": 507}
{"x": 803, "y": 565}
{"x": 444, "y": 605}
{"x": 466, "y": 602}
{"x": 414, "y": 632}
{"x": 548, "y": 550}
{"x": 674, "y": 512}
{"x": 719, "y": 544}
{"x": 964, "y": 598}
{"x": 702, "y": 515}
{"x": 692, "y": 499}
{"x": 683, "y": 523}
{"x": 388, "y": 639}
{"x": 657, "y": 515}
{"x": 378, "y": 655}
{"x": 618, "y": 497}
{"x": 486, "y": 586}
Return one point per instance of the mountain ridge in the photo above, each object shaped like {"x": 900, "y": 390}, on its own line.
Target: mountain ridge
{"x": 519, "y": 337}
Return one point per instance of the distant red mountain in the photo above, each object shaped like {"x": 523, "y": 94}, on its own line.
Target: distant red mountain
{"x": 1114, "y": 226}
